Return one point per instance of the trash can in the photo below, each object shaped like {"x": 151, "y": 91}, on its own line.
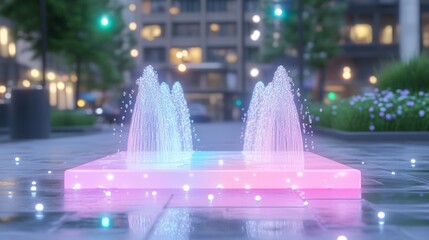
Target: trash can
{"x": 4, "y": 115}
{"x": 29, "y": 114}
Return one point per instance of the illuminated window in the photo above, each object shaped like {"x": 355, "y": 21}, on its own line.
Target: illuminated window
{"x": 3, "y": 35}
{"x": 7, "y": 45}
{"x": 386, "y": 35}
{"x": 174, "y": 10}
{"x": 426, "y": 35}
{"x": 186, "y": 29}
{"x": 12, "y": 49}
{"x": 361, "y": 33}
{"x": 425, "y": 30}
{"x": 228, "y": 55}
{"x": 215, "y": 80}
{"x": 186, "y": 55}
{"x": 152, "y": 32}
{"x": 222, "y": 29}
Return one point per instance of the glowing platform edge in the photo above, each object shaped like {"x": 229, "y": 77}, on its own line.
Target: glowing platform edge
{"x": 211, "y": 170}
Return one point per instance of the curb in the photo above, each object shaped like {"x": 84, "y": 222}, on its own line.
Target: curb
{"x": 373, "y": 136}
{"x": 71, "y": 129}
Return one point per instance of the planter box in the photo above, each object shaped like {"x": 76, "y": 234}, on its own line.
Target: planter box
{"x": 373, "y": 136}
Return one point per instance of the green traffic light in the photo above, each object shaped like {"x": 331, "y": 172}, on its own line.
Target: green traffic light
{"x": 278, "y": 12}
{"x": 104, "y": 21}
{"x": 238, "y": 102}
{"x": 332, "y": 96}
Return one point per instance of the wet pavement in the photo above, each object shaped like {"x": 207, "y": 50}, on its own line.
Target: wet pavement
{"x": 392, "y": 184}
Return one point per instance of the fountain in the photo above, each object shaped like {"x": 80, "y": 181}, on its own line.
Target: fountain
{"x": 160, "y": 130}
{"x": 160, "y": 153}
{"x": 273, "y": 131}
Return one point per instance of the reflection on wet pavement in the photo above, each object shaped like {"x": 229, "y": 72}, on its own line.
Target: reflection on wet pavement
{"x": 403, "y": 197}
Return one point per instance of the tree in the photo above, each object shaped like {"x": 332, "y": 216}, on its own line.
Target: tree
{"x": 75, "y": 32}
{"x": 321, "y": 33}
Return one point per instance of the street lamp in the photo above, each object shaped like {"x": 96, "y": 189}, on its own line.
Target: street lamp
{"x": 254, "y": 72}
{"x": 256, "y": 18}
{"x": 181, "y": 67}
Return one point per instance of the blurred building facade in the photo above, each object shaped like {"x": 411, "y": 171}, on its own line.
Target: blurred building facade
{"x": 19, "y": 68}
{"x": 372, "y": 38}
{"x": 203, "y": 44}
{"x": 212, "y": 47}
{"x": 8, "y": 64}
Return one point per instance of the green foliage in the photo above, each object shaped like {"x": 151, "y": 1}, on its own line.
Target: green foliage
{"x": 322, "y": 21}
{"x": 74, "y": 32}
{"x": 412, "y": 75}
{"x": 379, "y": 111}
{"x": 71, "y": 118}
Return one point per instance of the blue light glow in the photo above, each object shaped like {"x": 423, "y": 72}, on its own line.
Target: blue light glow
{"x": 105, "y": 222}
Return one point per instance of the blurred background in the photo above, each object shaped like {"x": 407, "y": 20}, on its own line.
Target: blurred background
{"x": 86, "y": 53}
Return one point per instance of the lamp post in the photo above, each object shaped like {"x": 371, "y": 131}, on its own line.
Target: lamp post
{"x": 242, "y": 63}
{"x": 43, "y": 35}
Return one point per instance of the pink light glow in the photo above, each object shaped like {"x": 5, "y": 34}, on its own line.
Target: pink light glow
{"x": 204, "y": 172}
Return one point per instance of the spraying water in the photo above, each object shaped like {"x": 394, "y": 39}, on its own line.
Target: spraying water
{"x": 273, "y": 130}
{"x": 160, "y": 128}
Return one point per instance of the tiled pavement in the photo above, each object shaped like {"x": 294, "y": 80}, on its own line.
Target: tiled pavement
{"x": 402, "y": 196}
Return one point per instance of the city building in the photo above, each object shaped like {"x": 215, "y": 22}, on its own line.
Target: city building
{"x": 19, "y": 68}
{"x": 372, "y": 38}
{"x": 212, "y": 47}
{"x": 8, "y": 64}
{"x": 209, "y": 46}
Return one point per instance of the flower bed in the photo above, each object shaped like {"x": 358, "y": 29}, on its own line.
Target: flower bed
{"x": 376, "y": 111}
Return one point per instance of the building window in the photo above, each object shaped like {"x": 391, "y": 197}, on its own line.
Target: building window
{"x": 154, "y": 54}
{"x": 425, "y": 30}
{"x": 185, "y": 6}
{"x": 154, "y": 6}
{"x": 215, "y": 80}
{"x": 7, "y": 45}
{"x": 186, "y": 55}
{"x": 250, "y": 27}
{"x": 186, "y": 29}
{"x": 387, "y": 29}
{"x": 386, "y": 35}
{"x": 222, "y": 6}
{"x": 361, "y": 33}
{"x": 152, "y": 31}
{"x": 228, "y": 55}
{"x": 189, "y": 81}
{"x": 252, "y": 54}
{"x": 251, "y": 5}
{"x": 222, "y": 29}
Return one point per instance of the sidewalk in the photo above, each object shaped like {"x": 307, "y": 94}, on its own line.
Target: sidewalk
{"x": 390, "y": 184}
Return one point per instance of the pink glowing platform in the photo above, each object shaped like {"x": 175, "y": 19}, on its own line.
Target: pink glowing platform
{"x": 211, "y": 170}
